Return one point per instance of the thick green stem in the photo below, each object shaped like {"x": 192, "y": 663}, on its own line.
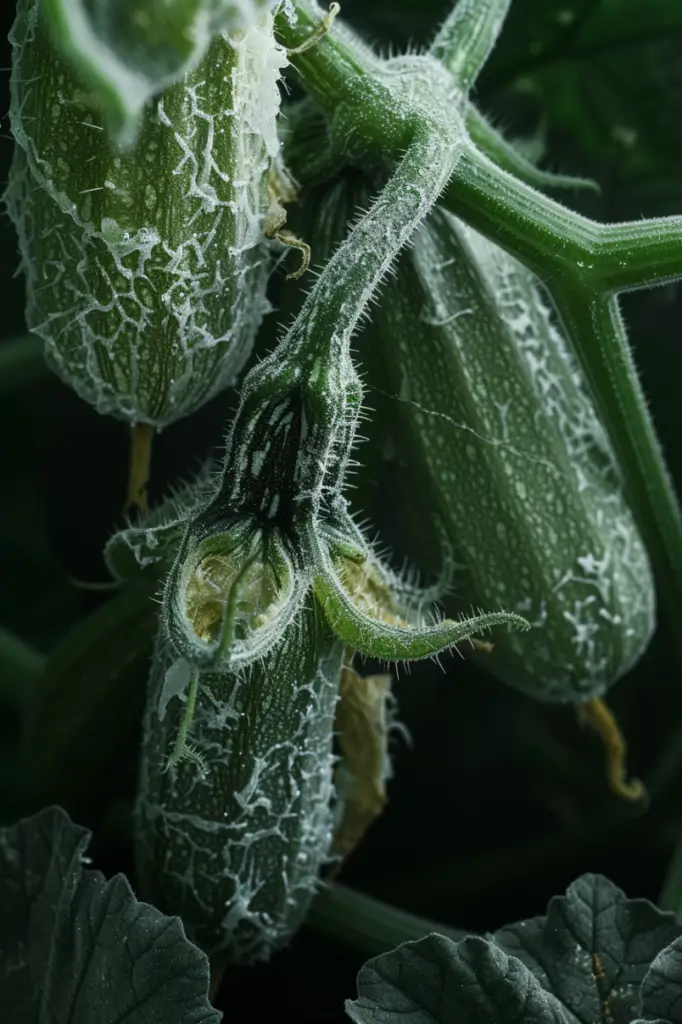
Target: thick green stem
{"x": 337, "y": 68}
{"x": 598, "y": 337}
{"x": 639, "y": 254}
{"x": 467, "y": 36}
{"x": 20, "y": 669}
{"x": 332, "y": 310}
{"x": 550, "y": 238}
{"x": 490, "y": 142}
{"x": 367, "y": 924}
{"x": 545, "y": 235}
{"x": 557, "y": 242}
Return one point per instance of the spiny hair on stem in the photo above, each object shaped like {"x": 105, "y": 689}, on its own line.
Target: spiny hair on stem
{"x": 190, "y": 755}
{"x": 389, "y": 50}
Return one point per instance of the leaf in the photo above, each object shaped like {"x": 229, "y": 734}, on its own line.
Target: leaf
{"x": 662, "y": 987}
{"x": 77, "y": 949}
{"x": 127, "y": 51}
{"x": 585, "y": 960}
{"x": 437, "y": 981}
{"x": 607, "y": 74}
{"x": 593, "y": 947}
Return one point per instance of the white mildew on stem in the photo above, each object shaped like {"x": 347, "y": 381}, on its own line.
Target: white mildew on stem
{"x": 145, "y": 269}
{"x": 312, "y": 364}
{"x": 467, "y": 37}
{"x": 289, "y": 448}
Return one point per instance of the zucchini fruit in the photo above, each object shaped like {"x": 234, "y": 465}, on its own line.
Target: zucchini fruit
{"x": 232, "y": 836}
{"x": 145, "y": 268}
{"x": 495, "y": 425}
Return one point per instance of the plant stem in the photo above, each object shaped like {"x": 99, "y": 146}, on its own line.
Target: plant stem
{"x": 20, "y": 669}
{"x": 489, "y": 141}
{"x": 141, "y": 440}
{"x": 556, "y": 241}
{"x": 544, "y": 234}
{"x": 581, "y": 262}
{"x": 596, "y": 330}
{"x": 640, "y": 253}
{"x": 338, "y": 67}
{"x": 547, "y": 236}
{"x": 371, "y": 247}
{"x": 367, "y": 924}
{"x": 467, "y": 37}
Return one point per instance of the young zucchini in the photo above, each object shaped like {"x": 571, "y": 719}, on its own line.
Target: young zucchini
{"x": 495, "y": 422}
{"x": 232, "y": 836}
{"x": 145, "y": 268}
{"x": 235, "y": 811}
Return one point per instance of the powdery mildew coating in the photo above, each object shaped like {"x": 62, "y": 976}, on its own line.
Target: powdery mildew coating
{"x": 233, "y": 838}
{"x": 521, "y": 471}
{"x": 145, "y": 270}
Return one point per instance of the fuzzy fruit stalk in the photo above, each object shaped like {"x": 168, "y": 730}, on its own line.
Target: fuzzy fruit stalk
{"x": 145, "y": 268}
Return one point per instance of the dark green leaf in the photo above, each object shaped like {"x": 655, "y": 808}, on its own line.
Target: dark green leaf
{"x": 77, "y": 949}
{"x": 662, "y": 987}
{"x": 593, "y": 948}
{"x": 584, "y": 961}
{"x": 437, "y": 981}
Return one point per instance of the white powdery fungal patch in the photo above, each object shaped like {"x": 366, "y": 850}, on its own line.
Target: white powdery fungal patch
{"x": 145, "y": 270}
{"x": 235, "y": 15}
{"x": 234, "y": 837}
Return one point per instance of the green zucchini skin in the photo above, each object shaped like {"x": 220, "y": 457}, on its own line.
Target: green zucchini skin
{"x": 494, "y": 419}
{"x": 145, "y": 269}
{"x": 234, "y": 845}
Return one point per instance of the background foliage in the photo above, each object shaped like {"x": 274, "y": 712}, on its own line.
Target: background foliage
{"x": 499, "y": 802}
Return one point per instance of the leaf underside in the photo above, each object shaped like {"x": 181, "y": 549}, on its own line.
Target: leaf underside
{"x": 77, "y": 949}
